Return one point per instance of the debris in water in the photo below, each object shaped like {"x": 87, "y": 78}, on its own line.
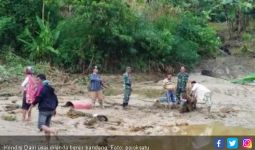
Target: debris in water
{"x": 112, "y": 128}
{"x": 140, "y": 128}
{"x": 91, "y": 122}
{"x": 57, "y": 122}
{"x": 222, "y": 115}
{"x": 11, "y": 107}
{"x": 6, "y": 94}
{"x": 175, "y": 129}
{"x": 75, "y": 114}
{"x": 14, "y": 101}
{"x": 227, "y": 110}
{"x": 100, "y": 117}
{"x": 8, "y": 117}
{"x": 182, "y": 123}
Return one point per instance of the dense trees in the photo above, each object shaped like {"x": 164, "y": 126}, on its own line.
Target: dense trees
{"x": 114, "y": 33}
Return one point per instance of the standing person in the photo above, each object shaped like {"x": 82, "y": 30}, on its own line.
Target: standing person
{"x": 202, "y": 93}
{"x": 47, "y": 103}
{"x": 181, "y": 83}
{"x": 96, "y": 87}
{"x": 28, "y": 90}
{"x": 169, "y": 86}
{"x": 127, "y": 83}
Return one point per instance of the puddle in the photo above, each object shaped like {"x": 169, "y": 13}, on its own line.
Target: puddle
{"x": 215, "y": 129}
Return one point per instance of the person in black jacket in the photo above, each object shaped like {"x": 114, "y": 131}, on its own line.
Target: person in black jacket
{"x": 47, "y": 103}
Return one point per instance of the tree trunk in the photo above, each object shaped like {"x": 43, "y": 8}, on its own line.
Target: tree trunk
{"x": 43, "y": 11}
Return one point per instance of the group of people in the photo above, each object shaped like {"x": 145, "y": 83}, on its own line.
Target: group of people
{"x": 186, "y": 93}
{"x": 37, "y": 90}
{"x": 96, "y": 86}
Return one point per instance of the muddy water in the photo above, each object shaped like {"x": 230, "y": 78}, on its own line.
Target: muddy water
{"x": 216, "y": 129}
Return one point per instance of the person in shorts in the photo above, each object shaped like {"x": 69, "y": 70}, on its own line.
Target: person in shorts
{"x": 28, "y": 89}
{"x": 96, "y": 87}
{"x": 47, "y": 103}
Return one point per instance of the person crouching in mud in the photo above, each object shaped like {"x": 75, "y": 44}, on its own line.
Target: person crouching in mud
{"x": 127, "y": 83}
{"x": 188, "y": 102}
{"x": 169, "y": 86}
{"x": 202, "y": 94}
{"x": 47, "y": 103}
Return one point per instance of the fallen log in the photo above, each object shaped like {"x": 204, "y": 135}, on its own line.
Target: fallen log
{"x": 75, "y": 114}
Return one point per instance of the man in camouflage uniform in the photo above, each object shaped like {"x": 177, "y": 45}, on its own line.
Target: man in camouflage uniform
{"x": 183, "y": 78}
{"x": 127, "y": 82}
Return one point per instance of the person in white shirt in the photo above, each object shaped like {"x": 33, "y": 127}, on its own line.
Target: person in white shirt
{"x": 202, "y": 94}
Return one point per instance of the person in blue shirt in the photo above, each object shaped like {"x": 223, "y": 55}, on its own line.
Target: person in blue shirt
{"x": 96, "y": 87}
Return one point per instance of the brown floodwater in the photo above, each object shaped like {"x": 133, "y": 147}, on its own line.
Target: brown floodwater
{"x": 216, "y": 129}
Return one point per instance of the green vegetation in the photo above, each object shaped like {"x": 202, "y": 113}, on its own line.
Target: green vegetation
{"x": 147, "y": 35}
{"x": 247, "y": 79}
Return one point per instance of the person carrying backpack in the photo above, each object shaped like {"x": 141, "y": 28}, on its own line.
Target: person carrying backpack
{"x": 47, "y": 103}
{"x": 28, "y": 90}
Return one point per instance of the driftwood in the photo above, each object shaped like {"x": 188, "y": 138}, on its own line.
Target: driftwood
{"x": 9, "y": 117}
{"x": 157, "y": 104}
{"x": 75, "y": 114}
{"x": 90, "y": 122}
{"x": 92, "y": 118}
{"x": 7, "y": 94}
{"x": 140, "y": 128}
{"x": 11, "y": 107}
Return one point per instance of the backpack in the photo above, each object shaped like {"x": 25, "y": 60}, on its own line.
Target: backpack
{"x": 31, "y": 89}
{"x": 50, "y": 99}
{"x": 54, "y": 102}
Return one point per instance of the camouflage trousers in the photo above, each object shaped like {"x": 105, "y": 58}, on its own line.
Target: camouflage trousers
{"x": 179, "y": 92}
{"x": 127, "y": 93}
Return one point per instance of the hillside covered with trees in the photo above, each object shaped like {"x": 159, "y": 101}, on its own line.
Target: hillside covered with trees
{"x": 145, "y": 34}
